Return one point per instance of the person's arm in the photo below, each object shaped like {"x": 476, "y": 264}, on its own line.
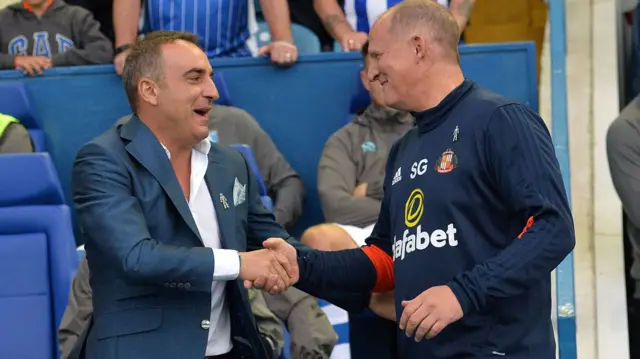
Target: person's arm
{"x": 282, "y": 182}
{"x": 276, "y": 14}
{"x": 336, "y": 183}
{"x": 623, "y": 151}
{"x": 90, "y": 45}
{"x": 461, "y": 11}
{"x": 332, "y": 17}
{"x": 111, "y": 219}
{"x": 524, "y": 167}
{"x": 126, "y": 19}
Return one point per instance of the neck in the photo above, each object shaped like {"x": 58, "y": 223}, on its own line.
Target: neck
{"x": 37, "y": 9}
{"x": 436, "y": 85}
{"x": 165, "y": 133}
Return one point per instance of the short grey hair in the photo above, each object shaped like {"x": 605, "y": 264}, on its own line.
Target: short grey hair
{"x": 145, "y": 60}
{"x": 440, "y": 25}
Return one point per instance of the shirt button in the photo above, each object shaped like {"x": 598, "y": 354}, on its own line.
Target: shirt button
{"x": 205, "y": 324}
{"x": 180, "y": 285}
{"x": 173, "y": 285}
{"x": 187, "y": 285}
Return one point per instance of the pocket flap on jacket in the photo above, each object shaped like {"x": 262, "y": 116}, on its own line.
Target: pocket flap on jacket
{"x": 128, "y": 322}
{"x": 126, "y": 291}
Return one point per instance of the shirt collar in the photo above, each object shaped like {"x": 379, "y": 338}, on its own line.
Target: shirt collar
{"x": 203, "y": 147}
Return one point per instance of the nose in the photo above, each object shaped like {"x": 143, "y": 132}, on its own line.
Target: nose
{"x": 210, "y": 91}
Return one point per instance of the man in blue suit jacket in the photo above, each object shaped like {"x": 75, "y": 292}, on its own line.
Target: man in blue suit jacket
{"x": 168, "y": 218}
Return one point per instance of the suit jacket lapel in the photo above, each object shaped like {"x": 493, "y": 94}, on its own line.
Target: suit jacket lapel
{"x": 220, "y": 184}
{"x": 145, "y": 148}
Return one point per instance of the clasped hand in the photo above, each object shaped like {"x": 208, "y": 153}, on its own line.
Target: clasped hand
{"x": 273, "y": 269}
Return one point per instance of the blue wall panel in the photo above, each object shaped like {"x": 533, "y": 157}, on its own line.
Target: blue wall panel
{"x": 300, "y": 107}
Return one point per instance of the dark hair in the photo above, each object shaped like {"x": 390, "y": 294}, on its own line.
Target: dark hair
{"x": 145, "y": 60}
{"x": 364, "y": 51}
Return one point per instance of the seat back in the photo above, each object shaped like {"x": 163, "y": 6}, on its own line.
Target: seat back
{"x": 305, "y": 40}
{"x": 37, "y": 256}
{"x": 360, "y": 99}
{"x": 253, "y": 166}
{"x": 14, "y": 101}
{"x": 223, "y": 90}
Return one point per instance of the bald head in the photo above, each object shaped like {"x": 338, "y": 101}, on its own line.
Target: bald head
{"x": 425, "y": 18}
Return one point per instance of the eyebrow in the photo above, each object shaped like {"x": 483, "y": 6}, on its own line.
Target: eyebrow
{"x": 198, "y": 71}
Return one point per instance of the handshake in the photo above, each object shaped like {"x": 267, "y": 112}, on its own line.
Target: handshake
{"x": 273, "y": 269}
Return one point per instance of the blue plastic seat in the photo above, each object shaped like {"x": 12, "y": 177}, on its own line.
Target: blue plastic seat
{"x": 223, "y": 90}
{"x": 360, "y": 99}
{"x": 305, "y": 40}
{"x": 14, "y": 101}
{"x": 37, "y": 256}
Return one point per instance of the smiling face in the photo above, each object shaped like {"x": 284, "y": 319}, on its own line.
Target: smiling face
{"x": 392, "y": 63}
{"x": 187, "y": 90}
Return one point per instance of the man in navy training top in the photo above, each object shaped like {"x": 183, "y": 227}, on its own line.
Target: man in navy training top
{"x": 474, "y": 216}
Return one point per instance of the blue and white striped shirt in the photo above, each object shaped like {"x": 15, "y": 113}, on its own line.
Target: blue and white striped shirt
{"x": 224, "y": 27}
{"x": 361, "y": 14}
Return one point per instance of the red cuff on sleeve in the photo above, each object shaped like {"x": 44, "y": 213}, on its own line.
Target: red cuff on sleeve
{"x": 383, "y": 264}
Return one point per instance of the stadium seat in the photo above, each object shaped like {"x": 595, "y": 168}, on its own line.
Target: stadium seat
{"x": 37, "y": 256}
{"x": 306, "y": 41}
{"x": 15, "y": 102}
{"x": 223, "y": 91}
{"x": 253, "y": 166}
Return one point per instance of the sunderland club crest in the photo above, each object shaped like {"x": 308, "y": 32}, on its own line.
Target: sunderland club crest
{"x": 447, "y": 162}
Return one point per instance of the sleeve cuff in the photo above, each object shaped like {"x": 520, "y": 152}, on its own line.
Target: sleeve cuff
{"x": 463, "y": 298}
{"x": 226, "y": 264}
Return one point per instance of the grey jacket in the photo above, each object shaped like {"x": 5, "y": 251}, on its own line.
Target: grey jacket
{"x": 68, "y": 35}
{"x": 15, "y": 139}
{"x": 355, "y": 154}
{"x": 623, "y": 152}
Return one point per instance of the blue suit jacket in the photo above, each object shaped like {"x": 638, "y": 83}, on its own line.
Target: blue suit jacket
{"x": 150, "y": 273}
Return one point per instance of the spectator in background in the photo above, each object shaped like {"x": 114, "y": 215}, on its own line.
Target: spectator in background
{"x": 102, "y": 10}
{"x": 224, "y": 27}
{"x": 38, "y": 34}
{"x": 623, "y": 151}
{"x": 351, "y": 172}
{"x": 350, "y": 25}
{"x": 14, "y": 138}
{"x": 312, "y": 335}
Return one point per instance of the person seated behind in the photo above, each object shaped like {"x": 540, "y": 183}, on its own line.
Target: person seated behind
{"x": 351, "y": 173}
{"x": 350, "y": 178}
{"x": 38, "y": 34}
{"x": 311, "y": 332}
{"x": 14, "y": 137}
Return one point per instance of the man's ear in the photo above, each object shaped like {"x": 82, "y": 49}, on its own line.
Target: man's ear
{"x": 148, "y": 91}
{"x": 419, "y": 47}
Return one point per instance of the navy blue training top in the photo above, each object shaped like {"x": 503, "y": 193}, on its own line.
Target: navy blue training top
{"x": 474, "y": 199}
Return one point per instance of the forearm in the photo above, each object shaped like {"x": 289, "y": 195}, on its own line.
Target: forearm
{"x": 126, "y": 16}
{"x": 350, "y": 210}
{"x": 332, "y": 17}
{"x": 348, "y": 271}
{"x": 276, "y": 14}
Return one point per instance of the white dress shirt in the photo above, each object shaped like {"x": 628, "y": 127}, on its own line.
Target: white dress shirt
{"x": 227, "y": 262}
